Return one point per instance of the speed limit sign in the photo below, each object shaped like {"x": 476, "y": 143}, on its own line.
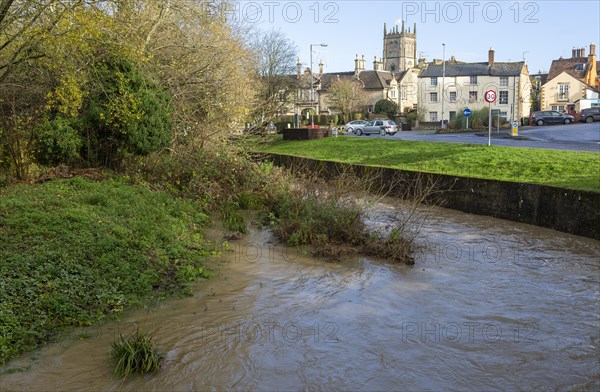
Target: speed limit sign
{"x": 490, "y": 96}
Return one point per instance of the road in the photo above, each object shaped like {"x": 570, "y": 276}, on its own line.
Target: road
{"x": 577, "y": 137}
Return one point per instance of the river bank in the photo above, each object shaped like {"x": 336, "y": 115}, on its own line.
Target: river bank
{"x": 77, "y": 251}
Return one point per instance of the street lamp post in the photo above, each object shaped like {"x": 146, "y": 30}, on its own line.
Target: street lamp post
{"x": 312, "y": 93}
{"x": 443, "y": 81}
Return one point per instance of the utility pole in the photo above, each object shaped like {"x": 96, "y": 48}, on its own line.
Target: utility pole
{"x": 443, "y": 81}
{"x": 312, "y": 85}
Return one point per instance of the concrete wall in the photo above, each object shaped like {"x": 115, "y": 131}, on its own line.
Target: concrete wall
{"x": 571, "y": 211}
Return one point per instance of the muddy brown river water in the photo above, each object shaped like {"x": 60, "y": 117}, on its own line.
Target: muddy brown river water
{"x": 489, "y": 305}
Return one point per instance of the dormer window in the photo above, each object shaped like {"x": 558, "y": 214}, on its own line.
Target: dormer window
{"x": 580, "y": 67}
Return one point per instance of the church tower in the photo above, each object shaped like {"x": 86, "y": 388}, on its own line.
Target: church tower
{"x": 399, "y": 48}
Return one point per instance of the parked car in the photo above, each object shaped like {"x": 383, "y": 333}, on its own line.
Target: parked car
{"x": 378, "y": 126}
{"x": 590, "y": 115}
{"x": 550, "y": 117}
{"x": 352, "y": 125}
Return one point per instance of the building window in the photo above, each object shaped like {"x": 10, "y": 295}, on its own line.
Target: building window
{"x": 452, "y": 116}
{"x": 503, "y": 98}
{"x": 473, "y": 79}
{"x": 472, "y": 96}
{"x": 563, "y": 92}
{"x": 433, "y": 81}
{"x": 558, "y": 108}
{"x": 433, "y": 116}
{"x": 393, "y": 93}
{"x": 452, "y": 96}
{"x": 433, "y": 97}
{"x": 504, "y": 114}
{"x": 503, "y": 81}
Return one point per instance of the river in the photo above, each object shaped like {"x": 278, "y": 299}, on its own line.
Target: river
{"x": 489, "y": 305}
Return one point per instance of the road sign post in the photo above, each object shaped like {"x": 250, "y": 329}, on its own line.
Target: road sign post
{"x": 515, "y": 128}
{"x": 490, "y": 96}
{"x": 467, "y": 114}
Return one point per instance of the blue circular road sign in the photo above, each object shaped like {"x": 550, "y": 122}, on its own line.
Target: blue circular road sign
{"x": 467, "y": 112}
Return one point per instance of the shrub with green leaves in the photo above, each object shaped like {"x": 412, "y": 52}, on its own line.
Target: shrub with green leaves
{"x": 58, "y": 140}
{"x": 385, "y": 106}
{"x": 126, "y": 113}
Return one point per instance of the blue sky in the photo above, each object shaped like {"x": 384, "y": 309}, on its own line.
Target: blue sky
{"x": 539, "y": 31}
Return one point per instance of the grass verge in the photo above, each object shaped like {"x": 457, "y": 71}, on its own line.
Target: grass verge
{"x": 569, "y": 169}
{"x": 74, "y": 251}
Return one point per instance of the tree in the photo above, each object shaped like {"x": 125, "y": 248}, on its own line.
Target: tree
{"x": 275, "y": 60}
{"x": 347, "y": 96}
{"x": 386, "y": 106}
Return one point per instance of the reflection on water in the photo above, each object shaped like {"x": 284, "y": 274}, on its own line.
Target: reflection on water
{"x": 489, "y": 304}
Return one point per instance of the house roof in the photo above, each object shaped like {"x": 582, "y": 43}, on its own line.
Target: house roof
{"x": 400, "y": 75}
{"x": 372, "y": 80}
{"x": 375, "y": 80}
{"x": 327, "y": 79}
{"x": 474, "y": 69}
{"x": 570, "y": 66}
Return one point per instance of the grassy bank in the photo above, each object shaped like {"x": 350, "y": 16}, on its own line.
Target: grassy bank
{"x": 76, "y": 251}
{"x": 570, "y": 169}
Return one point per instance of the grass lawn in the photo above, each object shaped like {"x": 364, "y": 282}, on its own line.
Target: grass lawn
{"x": 570, "y": 169}
{"x": 73, "y": 252}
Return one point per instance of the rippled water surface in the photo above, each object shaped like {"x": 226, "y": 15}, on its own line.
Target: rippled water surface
{"x": 490, "y": 304}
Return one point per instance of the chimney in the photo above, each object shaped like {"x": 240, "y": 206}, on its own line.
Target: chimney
{"x": 359, "y": 65}
{"x": 582, "y": 52}
{"x": 321, "y": 67}
{"x": 299, "y": 66}
{"x": 377, "y": 64}
{"x": 573, "y": 52}
{"x": 491, "y": 57}
{"x": 592, "y": 70}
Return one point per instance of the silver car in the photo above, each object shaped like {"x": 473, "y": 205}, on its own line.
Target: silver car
{"x": 378, "y": 126}
{"x": 352, "y": 125}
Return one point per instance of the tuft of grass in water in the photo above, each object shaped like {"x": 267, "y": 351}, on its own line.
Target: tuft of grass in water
{"x": 136, "y": 353}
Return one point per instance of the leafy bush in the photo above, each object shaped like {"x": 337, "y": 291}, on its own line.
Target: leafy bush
{"x": 385, "y": 106}
{"x": 221, "y": 179}
{"x": 479, "y": 120}
{"x": 125, "y": 114}
{"x": 58, "y": 141}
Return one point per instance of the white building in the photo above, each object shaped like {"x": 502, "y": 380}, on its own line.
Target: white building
{"x": 465, "y": 86}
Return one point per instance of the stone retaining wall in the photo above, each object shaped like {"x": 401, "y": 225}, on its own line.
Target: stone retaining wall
{"x": 571, "y": 211}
